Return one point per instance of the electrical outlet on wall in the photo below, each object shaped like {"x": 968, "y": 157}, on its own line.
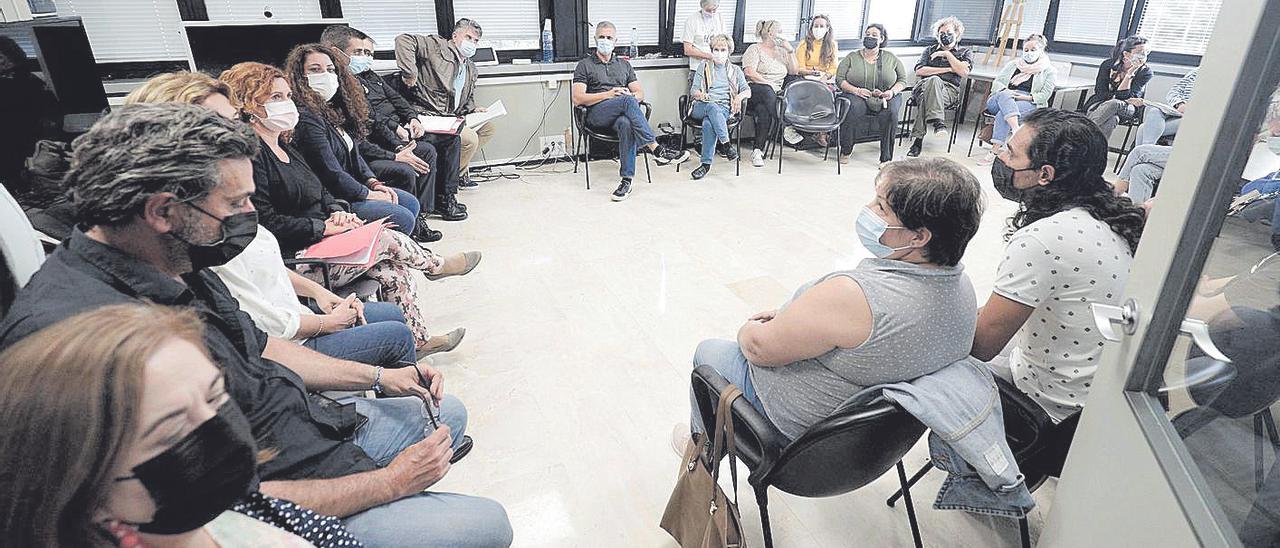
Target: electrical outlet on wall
{"x": 551, "y": 143}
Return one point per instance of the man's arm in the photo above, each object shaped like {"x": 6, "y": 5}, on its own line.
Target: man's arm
{"x": 998, "y": 322}
{"x": 318, "y": 371}
{"x": 958, "y": 65}
{"x": 692, "y": 51}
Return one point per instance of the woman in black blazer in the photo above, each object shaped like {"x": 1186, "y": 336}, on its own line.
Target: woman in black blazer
{"x": 1121, "y": 84}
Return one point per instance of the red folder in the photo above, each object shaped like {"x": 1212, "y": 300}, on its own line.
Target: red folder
{"x": 354, "y": 247}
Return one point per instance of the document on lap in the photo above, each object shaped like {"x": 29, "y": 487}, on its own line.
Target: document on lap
{"x": 441, "y": 124}
{"x": 357, "y": 246}
{"x": 477, "y": 119}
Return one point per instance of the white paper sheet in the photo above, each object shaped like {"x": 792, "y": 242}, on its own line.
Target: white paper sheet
{"x": 477, "y": 119}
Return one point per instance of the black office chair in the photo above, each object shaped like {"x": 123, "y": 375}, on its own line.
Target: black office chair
{"x": 812, "y": 107}
{"x": 1129, "y": 123}
{"x": 852, "y": 447}
{"x": 689, "y": 122}
{"x": 984, "y": 118}
{"x": 586, "y": 135}
{"x": 958, "y": 109}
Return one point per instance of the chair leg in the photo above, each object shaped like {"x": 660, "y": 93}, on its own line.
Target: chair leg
{"x": 1124, "y": 148}
{"x": 762, "y": 500}
{"x": 737, "y": 164}
{"x": 586, "y": 160}
{"x": 911, "y": 509}
{"x": 1024, "y": 531}
{"x": 974, "y": 138}
{"x": 684, "y": 143}
{"x": 647, "y": 174}
{"x": 910, "y": 483}
{"x": 1259, "y": 430}
{"x": 577, "y": 140}
{"x": 828, "y": 151}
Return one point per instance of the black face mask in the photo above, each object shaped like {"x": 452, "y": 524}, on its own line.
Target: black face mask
{"x": 202, "y": 475}
{"x": 870, "y": 42}
{"x": 237, "y": 232}
{"x": 1002, "y": 178}
{"x": 946, "y": 38}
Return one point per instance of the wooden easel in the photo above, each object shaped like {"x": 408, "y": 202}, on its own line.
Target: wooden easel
{"x": 1010, "y": 31}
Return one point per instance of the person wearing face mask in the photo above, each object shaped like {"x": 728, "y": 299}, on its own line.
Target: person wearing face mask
{"x": 439, "y": 78}
{"x": 153, "y": 218}
{"x": 608, "y": 87}
{"x": 332, "y": 119}
{"x": 1121, "y": 84}
{"x": 699, "y": 27}
{"x": 293, "y": 205}
{"x": 906, "y": 312}
{"x": 871, "y": 78}
{"x": 816, "y": 55}
{"x": 152, "y": 453}
{"x": 719, "y": 92}
{"x": 941, "y": 70}
{"x": 1156, "y": 123}
{"x": 1023, "y": 85}
{"x": 1070, "y": 244}
{"x": 397, "y": 148}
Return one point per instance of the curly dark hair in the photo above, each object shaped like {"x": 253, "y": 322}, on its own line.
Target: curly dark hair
{"x": 1076, "y": 149}
{"x": 348, "y": 109}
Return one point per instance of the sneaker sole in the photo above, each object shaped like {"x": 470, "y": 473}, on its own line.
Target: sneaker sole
{"x": 684, "y": 156}
{"x": 617, "y": 198}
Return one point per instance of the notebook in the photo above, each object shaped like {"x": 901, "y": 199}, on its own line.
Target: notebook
{"x": 441, "y": 124}
{"x": 357, "y": 246}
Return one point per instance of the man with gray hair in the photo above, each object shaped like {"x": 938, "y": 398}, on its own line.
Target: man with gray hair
{"x": 608, "y": 87}
{"x": 698, "y": 29}
{"x": 162, "y": 193}
{"x": 941, "y": 69}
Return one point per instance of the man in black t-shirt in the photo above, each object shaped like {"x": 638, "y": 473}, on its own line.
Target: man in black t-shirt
{"x": 940, "y": 71}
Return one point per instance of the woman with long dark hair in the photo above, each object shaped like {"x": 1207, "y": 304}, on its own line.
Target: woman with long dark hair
{"x": 1121, "y": 84}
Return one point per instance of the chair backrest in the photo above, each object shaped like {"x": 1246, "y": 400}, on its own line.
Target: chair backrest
{"x": 807, "y": 100}
{"x": 20, "y": 249}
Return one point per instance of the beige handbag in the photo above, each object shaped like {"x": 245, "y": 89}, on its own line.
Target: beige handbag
{"x": 699, "y": 515}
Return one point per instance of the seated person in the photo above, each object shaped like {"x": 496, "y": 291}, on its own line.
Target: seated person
{"x": 872, "y": 79}
{"x": 816, "y": 56}
{"x": 154, "y": 217}
{"x": 293, "y": 204}
{"x": 940, "y": 71}
{"x": 394, "y": 127}
{"x": 331, "y": 120}
{"x": 1121, "y": 84}
{"x": 767, "y": 64}
{"x": 608, "y": 87}
{"x": 699, "y": 27}
{"x": 1155, "y": 123}
{"x": 152, "y": 450}
{"x": 905, "y": 313}
{"x": 718, "y": 92}
{"x": 1071, "y": 244}
{"x": 1023, "y": 85}
{"x": 1143, "y": 168}
{"x": 439, "y": 77}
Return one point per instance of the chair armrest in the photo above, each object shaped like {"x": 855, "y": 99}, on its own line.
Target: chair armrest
{"x": 324, "y": 269}
{"x": 758, "y": 440}
{"x": 648, "y": 109}
{"x": 842, "y": 107}
{"x": 684, "y": 106}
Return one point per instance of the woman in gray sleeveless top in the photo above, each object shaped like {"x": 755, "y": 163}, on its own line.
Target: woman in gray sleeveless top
{"x": 908, "y": 312}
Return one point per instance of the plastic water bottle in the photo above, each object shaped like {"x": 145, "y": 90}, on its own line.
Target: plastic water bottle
{"x": 634, "y": 51}
{"x": 548, "y": 45}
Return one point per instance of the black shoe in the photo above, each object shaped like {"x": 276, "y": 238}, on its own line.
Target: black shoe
{"x": 623, "y": 191}
{"x": 915, "y": 148}
{"x": 939, "y": 128}
{"x": 447, "y": 209}
{"x": 423, "y": 233}
{"x": 729, "y": 151}
{"x": 700, "y": 172}
{"x": 466, "y": 182}
{"x": 665, "y": 156}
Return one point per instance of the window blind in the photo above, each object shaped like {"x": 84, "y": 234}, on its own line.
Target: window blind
{"x": 786, "y": 12}
{"x": 1179, "y": 26}
{"x": 1089, "y": 22}
{"x": 132, "y": 30}
{"x": 846, "y": 17}
{"x": 251, "y": 10}
{"x": 510, "y": 24}
{"x": 383, "y": 20}
{"x": 897, "y": 16}
{"x": 41, "y": 7}
{"x": 625, "y": 14}
{"x": 726, "y": 10}
{"x": 1034, "y": 13}
{"x": 977, "y": 15}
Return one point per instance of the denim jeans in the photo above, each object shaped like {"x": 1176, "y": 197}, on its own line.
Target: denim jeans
{"x": 727, "y": 359}
{"x": 1003, "y": 105}
{"x": 1143, "y": 168}
{"x": 384, "y": 340}
{"x": 1155, "y": 124}
{"x": 404, "y": 214}
{"x": 622, "y": 116}
{"x": 715, "y": 127}
{"x": 426, "y": 519}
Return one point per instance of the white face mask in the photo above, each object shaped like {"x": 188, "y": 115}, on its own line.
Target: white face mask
{"x": 1031, "y": 56}
{"x": 281, "y": 116}
{"x": 720, "y": 57}
{"x": 604, "y": 46}
{"x": 819, "y": 32}
{"x": 325, "y": 83}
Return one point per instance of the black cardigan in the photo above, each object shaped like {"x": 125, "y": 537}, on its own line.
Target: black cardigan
{"x": 1104, "y": 88}
{"x": 342, "y": 171}
{"x": 292, "y": 207}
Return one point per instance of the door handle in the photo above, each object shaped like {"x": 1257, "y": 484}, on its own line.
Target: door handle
{"x": 1199, "y": 333}
{"x": 1106, "y": 315}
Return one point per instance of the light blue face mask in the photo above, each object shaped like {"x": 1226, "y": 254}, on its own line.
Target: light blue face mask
{"x": 360, "y": 63}
{"x": 604, "y": 46}
{"x": 871, "y": 228}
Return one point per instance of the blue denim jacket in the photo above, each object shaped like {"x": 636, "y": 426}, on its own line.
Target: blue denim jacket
{"x": 961, "y": 407}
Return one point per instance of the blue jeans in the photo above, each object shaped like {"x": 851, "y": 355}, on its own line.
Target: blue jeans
{"x": 404, "y": 214}
{"x": 622, "y": 116}
{"x": 426, "y": 519}
{"x": 715, "y": 127}
{"x": 384, "y": 340}
{"x": 1156, "y": 125}
{"x": 1002, "y": 105}
{"x": 727, "y": 359}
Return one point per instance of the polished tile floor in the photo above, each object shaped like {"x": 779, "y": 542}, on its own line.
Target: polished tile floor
{"x": 583, "y": 317}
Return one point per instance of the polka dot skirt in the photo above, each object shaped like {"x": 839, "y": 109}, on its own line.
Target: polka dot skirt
{"x": 318, "y": 529}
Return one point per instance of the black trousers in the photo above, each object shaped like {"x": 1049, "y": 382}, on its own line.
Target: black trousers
{"x": 886, "y": 119}
{"x": 448, "y": 163}
{"x": 402, "y": 176}
{"x": 763, "y": 107}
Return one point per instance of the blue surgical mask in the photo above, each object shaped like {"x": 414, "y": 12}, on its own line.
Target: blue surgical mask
{"x": 360, "y": 63}
{"x": 871, "y": 228}
{"x": 604, "y": 46}
{"x": 467, "y": 48}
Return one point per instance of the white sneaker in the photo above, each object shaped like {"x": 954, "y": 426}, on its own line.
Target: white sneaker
{"x": 757, "y": 158}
